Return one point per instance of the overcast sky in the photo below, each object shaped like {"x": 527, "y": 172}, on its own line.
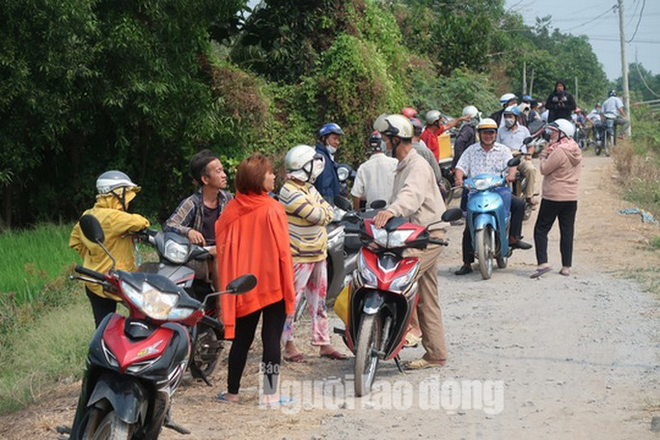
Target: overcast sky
{"x": 596, "y": 20}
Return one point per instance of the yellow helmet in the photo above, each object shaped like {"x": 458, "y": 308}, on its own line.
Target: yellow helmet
{"x": 487, "y": 124}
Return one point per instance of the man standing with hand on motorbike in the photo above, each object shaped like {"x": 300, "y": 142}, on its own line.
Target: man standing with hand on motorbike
{"x": 614, "y": 105}
{"x": 417, "y": 198}
{"x": 196, "y": 215}
{"x": 488, "y": 157}
{"x": 115, "y": 191}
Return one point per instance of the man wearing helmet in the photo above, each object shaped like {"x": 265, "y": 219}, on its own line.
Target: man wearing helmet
{"x": 467, "y": 135}
{"x": 375, "y": 177}
{"x": 434, "y": 128}
{"x": 196, "y": 215}
{"x": 308, "y": 214}
{"x": 488, "y": 157}
{"x": 506, "y": 100}
{"x": 327, "y": 184}
{"x": 512, "y": 134}
{"x": 115, "y": 191}
{"x": 560, "y": 103}
{"x": 417, "y": 198}
{"x": 613, "y": 104}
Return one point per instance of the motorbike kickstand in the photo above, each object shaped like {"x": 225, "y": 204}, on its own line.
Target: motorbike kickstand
{"x": 397, "y": 361}
{"x": 171, "y": 424}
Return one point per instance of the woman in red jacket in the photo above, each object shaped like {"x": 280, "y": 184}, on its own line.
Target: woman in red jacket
{"x": 252, "y": 236}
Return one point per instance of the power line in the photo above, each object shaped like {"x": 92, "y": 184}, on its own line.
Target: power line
{"x": 638, "y": 21}
{"x": 644, "y": 81}
{"x": 613, "y": 8}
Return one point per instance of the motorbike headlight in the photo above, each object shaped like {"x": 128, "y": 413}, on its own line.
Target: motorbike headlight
{"x": 482, "y": 184}
{"x": 380, "y": 236}
{"x": 175, "y": 252}
{"x": 155, "y": 304}
{"x": 402, "y": 283}
{"x": 366, "y": 275}
{"x": 398, "y": 238}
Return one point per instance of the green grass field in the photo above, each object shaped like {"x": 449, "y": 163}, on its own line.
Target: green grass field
{"x": 32, "y": 258}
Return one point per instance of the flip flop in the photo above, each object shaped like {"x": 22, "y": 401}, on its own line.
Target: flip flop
{"x": 540, "y": 272}
{"x": 297, "y": 358}
{"x": 335, "y": 355}
{"x": 284, "y": 400}
{"x": 564, "y": 273}
{"x": 222, "y": 397}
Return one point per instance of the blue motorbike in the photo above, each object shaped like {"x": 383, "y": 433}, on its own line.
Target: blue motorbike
{"x": 488, "y": 218}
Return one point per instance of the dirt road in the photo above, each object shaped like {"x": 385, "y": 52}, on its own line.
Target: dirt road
{"x": 558, "y": 357}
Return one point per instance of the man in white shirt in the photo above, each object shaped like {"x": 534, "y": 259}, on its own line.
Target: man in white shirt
{"x": 614, "y": 105}
{"x": 512, "y": 134}
{"x": 375, "y": 177}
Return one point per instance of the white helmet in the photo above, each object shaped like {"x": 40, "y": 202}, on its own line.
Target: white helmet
{"x": 114, "y": 179}
{"x": 473, "y": 113}
{"x": 504, "y": 99}
{"x": 432, "y": 116}
{"x": 564, "y": 126}
{"x": 394, "y": 125}
{"x": 304, "y": 163}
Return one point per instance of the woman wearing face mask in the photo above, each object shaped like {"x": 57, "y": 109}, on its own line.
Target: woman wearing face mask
{"x": 560, "y": 165}
{"x": 327, "y": 183}
{"x": 308, "y": 214}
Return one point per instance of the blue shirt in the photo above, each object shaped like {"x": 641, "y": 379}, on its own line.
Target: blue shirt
{"x": 327, "y": 184}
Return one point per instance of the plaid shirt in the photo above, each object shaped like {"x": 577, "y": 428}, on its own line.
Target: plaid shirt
{"x": 190, "y": 213}
{"x": 475, "y": 160}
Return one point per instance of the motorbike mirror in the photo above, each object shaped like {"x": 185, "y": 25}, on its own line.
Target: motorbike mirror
{"x": 527, "y": 140}
{"x": 242, "y": 284}
{"x": 452, "y": 215}
{"x": 92, "y": 228}
{"x": 378, "y": 204}
{"x": 342, "y": 203}
{"x": 514, "y": 162}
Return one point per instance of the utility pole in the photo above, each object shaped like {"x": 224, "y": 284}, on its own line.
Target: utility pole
{"x": 577, "y": 96}
{"x": 624, "y": 63}
{"x": 524, "y": 81}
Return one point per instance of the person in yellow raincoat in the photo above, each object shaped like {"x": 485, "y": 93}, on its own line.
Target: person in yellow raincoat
{"x": 115, "y": 191}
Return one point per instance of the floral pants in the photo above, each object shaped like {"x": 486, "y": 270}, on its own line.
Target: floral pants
{"x": 311, "y": 282}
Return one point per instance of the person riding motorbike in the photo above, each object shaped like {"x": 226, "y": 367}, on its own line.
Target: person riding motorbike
{"x": 488, "y": 157}
{"x": 115, "y": 191}
{"x": 506, "y": 100}
{"x": 613, "y": 104}
{"x": 512, "y": 135}
{"x": 467, "y": 135}
{"x": 327, "y": 183}
{"x": 308, "y": 214}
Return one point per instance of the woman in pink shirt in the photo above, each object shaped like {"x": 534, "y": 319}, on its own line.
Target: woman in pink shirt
{"x": 560, "y": 166}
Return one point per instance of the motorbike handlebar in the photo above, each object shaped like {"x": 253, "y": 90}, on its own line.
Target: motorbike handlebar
{"x": 90, "y": 273}
{"x": 212, "y": 322}
{"x": 438, "y": 241}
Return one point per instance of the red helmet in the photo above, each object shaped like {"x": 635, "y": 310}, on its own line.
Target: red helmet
{"x": 409, "y": 112}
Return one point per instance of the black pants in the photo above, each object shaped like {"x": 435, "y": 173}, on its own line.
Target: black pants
{"x": 271, "y": 332}
{"x": 548, "y": 212}
{"x": 515, "y": 229}
{"x": 101, "y": 307}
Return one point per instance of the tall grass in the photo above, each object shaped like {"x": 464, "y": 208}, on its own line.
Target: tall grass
{"x": 31, "y": 258}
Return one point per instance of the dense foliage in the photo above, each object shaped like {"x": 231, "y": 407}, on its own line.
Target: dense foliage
{"x": 91, "y": 85}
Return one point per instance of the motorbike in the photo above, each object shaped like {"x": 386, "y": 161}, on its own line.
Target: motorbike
{"x": 136, "y": 362}
{"x": 580, "y": 136}
{"x": 343, "y": 248}
{"x": 610, "y": 132}
{"x": 383, "y": 293}
{"x": 175, "y": 253}
{"x": 599, "y": 137}
{"x": 488, "y": 218}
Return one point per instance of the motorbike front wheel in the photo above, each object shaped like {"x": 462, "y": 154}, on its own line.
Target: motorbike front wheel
{"x": 484, "y": 250}
{"x": 110, "y": 427}
{"x": 366, "y": 355}
{"x": 206, "y": 350}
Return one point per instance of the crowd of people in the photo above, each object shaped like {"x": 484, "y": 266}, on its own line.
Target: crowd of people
{"x": 283, "y": 240}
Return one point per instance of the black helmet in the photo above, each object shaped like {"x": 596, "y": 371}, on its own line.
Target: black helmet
{"x": 611, "y": 93}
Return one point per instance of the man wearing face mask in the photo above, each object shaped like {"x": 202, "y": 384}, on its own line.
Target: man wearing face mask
{"x": 308, "y": 214}
{"x": 512, "y": 134}
{"x": 327, "y": 183}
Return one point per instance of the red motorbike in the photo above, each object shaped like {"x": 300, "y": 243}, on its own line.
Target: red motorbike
{"x": 383, "y": 293}
{"x": 136, "y": 362}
